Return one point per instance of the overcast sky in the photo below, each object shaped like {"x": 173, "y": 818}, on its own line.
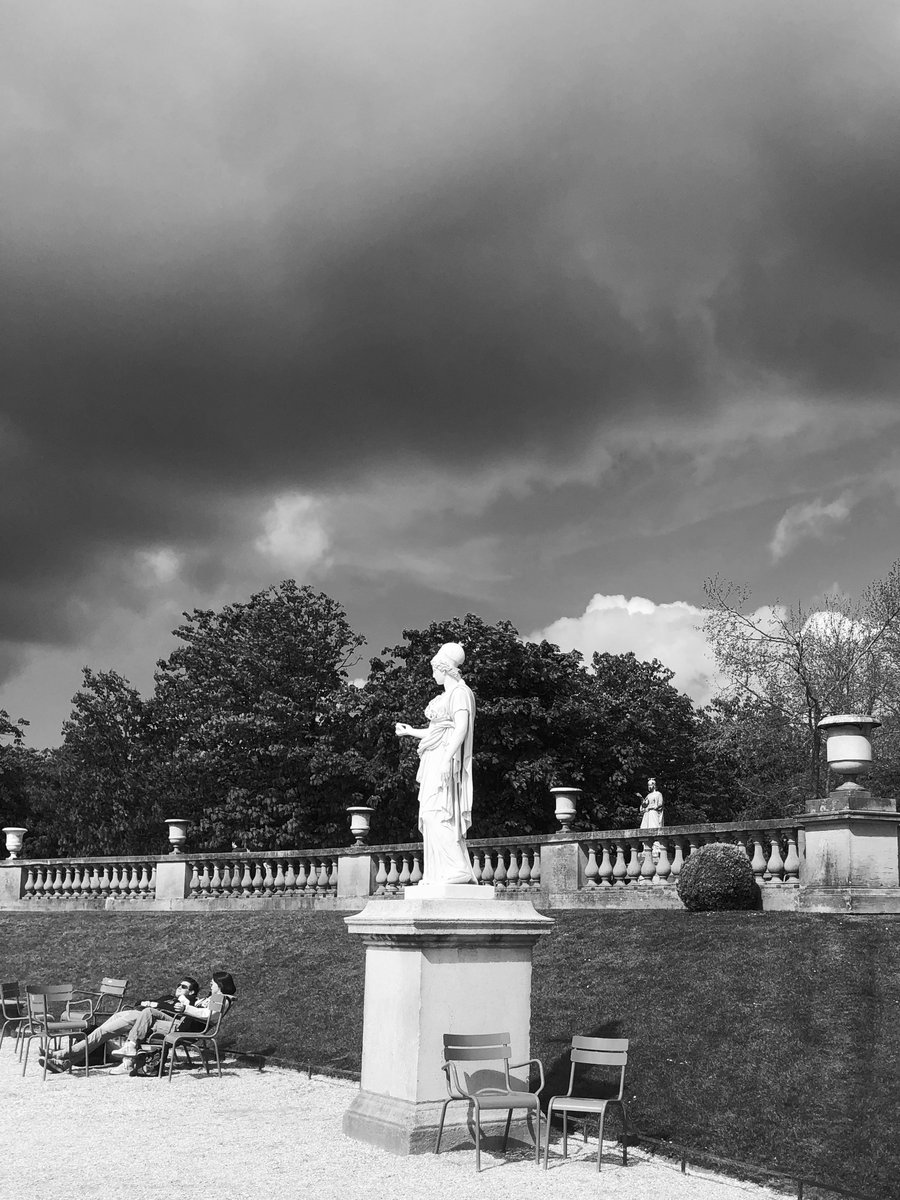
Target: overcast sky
{"x": 544, "y": 311}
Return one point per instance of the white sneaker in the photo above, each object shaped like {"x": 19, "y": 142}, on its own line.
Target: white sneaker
{"x": 129, "y": 1050}
{"x": 125, "y": 1067}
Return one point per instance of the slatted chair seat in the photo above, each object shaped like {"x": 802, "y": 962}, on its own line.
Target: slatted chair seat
{"x": 492, "y": 1052}
{"x": 595, "y": 1052}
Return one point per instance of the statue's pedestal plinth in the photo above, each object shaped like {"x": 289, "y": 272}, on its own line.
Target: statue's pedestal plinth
{"x": 436, "y": 964}
{"x": 850, "y": 860}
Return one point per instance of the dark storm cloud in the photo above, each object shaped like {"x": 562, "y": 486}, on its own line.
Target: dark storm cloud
{"x": 282, "y": 246}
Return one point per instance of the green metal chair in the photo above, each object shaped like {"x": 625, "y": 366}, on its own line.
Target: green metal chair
{"x": 12, "y": 1011}
{"x": 218, "y": 1006}
{"x": 597, "y": 1052}
{"x": 492, "y": 1051}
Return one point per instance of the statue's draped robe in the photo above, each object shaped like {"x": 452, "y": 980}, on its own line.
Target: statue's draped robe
{"x": 445, "y": 806}
{"x": 653, "y": 813}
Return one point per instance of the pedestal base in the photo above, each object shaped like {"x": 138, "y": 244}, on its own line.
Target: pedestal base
{"x": 436, "y": 966}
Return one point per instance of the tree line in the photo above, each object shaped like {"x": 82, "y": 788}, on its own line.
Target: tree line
{"x": 256, "y": 731}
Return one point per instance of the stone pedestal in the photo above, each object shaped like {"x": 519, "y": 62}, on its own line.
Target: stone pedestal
{"x": 435, "y": 964}
{"x": 12, "y": 883}
{"x": 852, "y": 853}
{"x": 173, "y": 878}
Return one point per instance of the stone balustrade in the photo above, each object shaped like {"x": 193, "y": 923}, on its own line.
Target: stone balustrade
{"x": 616, "y": 868}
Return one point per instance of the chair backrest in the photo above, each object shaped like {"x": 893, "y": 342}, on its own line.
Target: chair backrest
{"x": 216, "y": 1008}
{"x": 477, "y": 1048}
{"x": 599, "y": 1052}
{"x": 110, "y": 996}
{"x": 48, "y": 1003}
{"x": 9, "y": 1001}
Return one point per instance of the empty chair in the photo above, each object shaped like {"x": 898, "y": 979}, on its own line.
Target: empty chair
{"x": 108, "y": 999}
{"x": 491, "y": 1052}
{"x": 50, "y": 1020}
{"x": 596, "y": 1052}
{"x": 12, "y": 1012}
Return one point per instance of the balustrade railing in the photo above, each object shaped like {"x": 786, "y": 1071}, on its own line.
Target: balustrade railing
{"x": 126, "y": 878}
{"x": 279, "y": 873}
{"x": 655, "y": 857}
{"x": 510, "y": 866}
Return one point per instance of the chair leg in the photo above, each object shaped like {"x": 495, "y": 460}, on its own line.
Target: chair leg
{"x": 477, "y": 1138}
{"x": 624, "y": 1134}
{"x": 600, "y": 1137}
{"x": 537, "y": 1136}
{"x": 549, "y": 1120}
{"x": 506, "y": 1131}
{"x": 565, "y": 1133}
{"x": 218, "y": 1060}
{"x": 437, "y": 1146}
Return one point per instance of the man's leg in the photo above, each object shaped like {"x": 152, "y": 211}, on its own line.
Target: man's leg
{"x": 113, "y": 1026}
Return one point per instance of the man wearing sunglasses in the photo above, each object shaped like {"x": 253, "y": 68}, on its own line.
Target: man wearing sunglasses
{"x": 160, "y": 1017}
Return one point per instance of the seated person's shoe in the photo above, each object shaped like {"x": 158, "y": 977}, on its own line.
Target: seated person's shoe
{"x": 54, "y": 1065}
{"x": 129, "y": 1050}
{"x": 125, "y": 1067}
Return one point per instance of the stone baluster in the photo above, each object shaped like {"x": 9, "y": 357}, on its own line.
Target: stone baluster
{"x": 58, "y": 883}
{"x": 381, "y": 877}
{"x": 258, "y": 879}
{"x": 300, "y": 879}
{"x": 525, "y": 872}
{"x": 475, "y": 859}
{"x": 605, "y": 870}
{"x": 215, "y": 879}
{"x": 103, "y": 883}
{"x": 620, "y": 867}
{"x": 93, "y": 885}
{"x": 246, "y": 877}
{"x": 73, "y": 879}
{"x": 500, "y": 871}
{"x": 487, "y": 874}
{"x": 775, "y": 865}
{"x": 393, "y": 877}
{"x": 792, "y": 859}
{"x": 134, "y": 882}
{"x": 312, "y": 878}
{"x": 403, "y": 881}
{"x": 648, "y": 866}
{"x": 536, "y": 870}
{"x": 28, "y": 889}
{"x": 512, "y": 871}
{"x": 758, "y": 861}
{"x": 144, "y": 881}
{"x": 204, "y": 879}
{"x": 415, "y": 875}
{"x": 663, "y": 865}
{"x": 39, "y": 882}
{"x": 634, "y": 860}
{"x": 278, "y": 878}
{"x": 333, "y": 877}
{"x": 153, "y": 879}
{"x": 290, "y": 877}
{"x": 268, "y": 881}
{"x": 677, "y": 858}
{"x": 591, "y": 870}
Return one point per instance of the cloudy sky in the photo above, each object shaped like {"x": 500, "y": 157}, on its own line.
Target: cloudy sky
{"x": 540, "y": 310}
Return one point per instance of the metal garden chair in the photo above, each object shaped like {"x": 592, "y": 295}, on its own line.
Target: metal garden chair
{"x": 12, "y": 1011}
{"x": 50, "y": 1020}
{"x": 492, "y": 1051}
{"x": 597, "y": 1052}
{"x": 219, "y": 1005}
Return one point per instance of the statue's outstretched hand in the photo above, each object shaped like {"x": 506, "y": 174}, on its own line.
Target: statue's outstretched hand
{"x": 402, "y": 730}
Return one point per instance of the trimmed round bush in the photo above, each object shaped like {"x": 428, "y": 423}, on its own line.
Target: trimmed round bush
{"x": 715, "y": 878}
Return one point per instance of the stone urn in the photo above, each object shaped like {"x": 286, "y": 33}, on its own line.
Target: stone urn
{"x": 178, "y": 829}
{"x": 566, "y": 805}
{"x": 360, "y": 820}
{"x": 15, "y": 835}
{"x": 848, "y": 748}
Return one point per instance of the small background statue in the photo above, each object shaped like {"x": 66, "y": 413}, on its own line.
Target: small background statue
{"x": 651, "y": 807}
{"x": 445, "y": 771}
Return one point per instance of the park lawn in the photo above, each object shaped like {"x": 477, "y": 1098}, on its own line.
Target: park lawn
{"x": 764, "y": 1037}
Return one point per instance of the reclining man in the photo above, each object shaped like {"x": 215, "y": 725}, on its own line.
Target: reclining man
{"x": 161, "y": 1016}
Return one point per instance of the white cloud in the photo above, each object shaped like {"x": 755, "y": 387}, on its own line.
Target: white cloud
{"x": 812, "y": 519}
{"x": 294, "y": 533}
{"x": 669, "y": 632}
{"x": 161, "y": 565}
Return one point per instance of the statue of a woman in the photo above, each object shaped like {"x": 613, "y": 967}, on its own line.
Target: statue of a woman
{"x": 445, "y": 771}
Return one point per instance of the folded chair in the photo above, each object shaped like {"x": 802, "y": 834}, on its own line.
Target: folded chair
{"x": 49, "y": 1020}
{"x": 597, "y": 1052}
{"x": 492, "y": 1052}
{"x": 201, "y": 1038}
{"x": 12, "y": 1011}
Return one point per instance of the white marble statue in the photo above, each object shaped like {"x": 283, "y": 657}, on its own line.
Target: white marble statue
{"x": 651, "y": 807}
{"x": 445, "y": 772}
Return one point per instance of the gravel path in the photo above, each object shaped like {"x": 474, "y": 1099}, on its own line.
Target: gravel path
{"x": 272, "y": 1132}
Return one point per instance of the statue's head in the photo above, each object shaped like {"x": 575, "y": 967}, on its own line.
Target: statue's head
{"x": 651, "y": 784}
{"x": 448, "y": 660}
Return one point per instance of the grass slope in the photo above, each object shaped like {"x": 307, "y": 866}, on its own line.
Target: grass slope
{"x": 768, "y": 1037}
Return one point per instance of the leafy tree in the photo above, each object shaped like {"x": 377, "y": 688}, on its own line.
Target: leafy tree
{"x": 103, "y": 772}
{"x": 13, "y": 790}
{"x": 238, "y": 711}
